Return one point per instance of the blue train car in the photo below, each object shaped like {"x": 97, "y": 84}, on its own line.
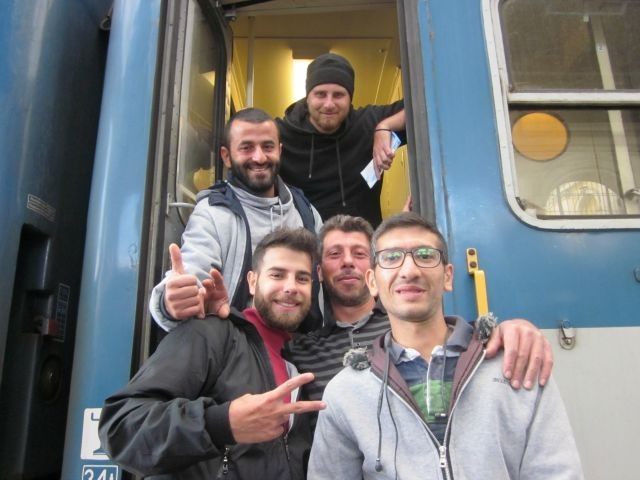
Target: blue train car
{"x": 523, "y": 145}
{"x": 50, "y": 92}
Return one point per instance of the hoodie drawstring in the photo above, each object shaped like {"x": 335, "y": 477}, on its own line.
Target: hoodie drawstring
{"x": 385, "y": 380}
{"x": 340, "y": 180}
{"x": 311, "y": 152}
{"x": 281, "y": 215}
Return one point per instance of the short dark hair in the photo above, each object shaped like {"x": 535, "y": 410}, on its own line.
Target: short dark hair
{"x": 250, "y": 115}
{"x": 298, "y": 240}
{"x": 408, "y": 220}
{"x": 346, "y": 224}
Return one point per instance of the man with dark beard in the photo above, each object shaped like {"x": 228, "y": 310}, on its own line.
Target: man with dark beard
{"x": 217, "y": 397}
{"x": 229, "y": 220}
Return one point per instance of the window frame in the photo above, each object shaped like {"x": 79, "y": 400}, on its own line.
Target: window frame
{"x": 503, "y": 100}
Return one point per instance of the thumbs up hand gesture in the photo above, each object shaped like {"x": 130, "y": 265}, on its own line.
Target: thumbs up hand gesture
{"x": 183, "y": 298}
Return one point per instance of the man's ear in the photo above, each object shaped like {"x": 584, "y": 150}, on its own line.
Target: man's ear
{"x": 252, "y": 278}
{"x": 448, "y": 277}
{"x": 319, "y": 273}
{"x": 370, "y": 278}
{"x": 226, "y": 156}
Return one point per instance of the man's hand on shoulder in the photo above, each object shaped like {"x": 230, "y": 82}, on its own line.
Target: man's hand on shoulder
{"x": 527, "y": 353}
{"x": 262, "y": 417}
{"x": 182, "y": 296}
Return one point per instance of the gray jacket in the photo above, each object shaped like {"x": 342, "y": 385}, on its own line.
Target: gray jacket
{"x": 492, "y": 432}
{"x": 215, "y": 236}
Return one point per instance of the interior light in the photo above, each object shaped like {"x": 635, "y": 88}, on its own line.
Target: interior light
{"x": 300, "y": 77}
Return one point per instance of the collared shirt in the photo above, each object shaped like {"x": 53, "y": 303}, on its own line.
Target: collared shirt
{"x": 430, "y": 383}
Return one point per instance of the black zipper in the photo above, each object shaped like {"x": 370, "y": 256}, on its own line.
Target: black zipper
{"x": 224, "y": 466}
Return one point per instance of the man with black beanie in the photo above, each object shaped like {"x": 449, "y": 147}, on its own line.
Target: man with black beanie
{"x": 327, "y": 142}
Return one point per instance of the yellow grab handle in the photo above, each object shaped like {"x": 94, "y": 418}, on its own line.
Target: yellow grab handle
{"x": 479, "y": 280}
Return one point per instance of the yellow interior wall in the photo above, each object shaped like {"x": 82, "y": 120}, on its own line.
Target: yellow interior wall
{"x": 395, "y": 184}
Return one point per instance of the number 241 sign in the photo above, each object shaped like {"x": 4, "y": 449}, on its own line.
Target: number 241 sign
{"x": 99, "y": 472}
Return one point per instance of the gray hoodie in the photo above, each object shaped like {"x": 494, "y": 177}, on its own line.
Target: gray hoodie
{"x": 493, "y": 432}
{"x": 215, "y": 236}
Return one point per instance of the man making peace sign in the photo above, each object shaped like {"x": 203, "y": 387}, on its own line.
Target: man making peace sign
{"x": 217, "y": 396}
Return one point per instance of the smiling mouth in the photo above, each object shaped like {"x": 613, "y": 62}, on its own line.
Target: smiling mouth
{"x": 259, "y": 168}
{"x": 409, "y": 290}
{"x": 348, "y": 278}
{"x": 287, "y": 304}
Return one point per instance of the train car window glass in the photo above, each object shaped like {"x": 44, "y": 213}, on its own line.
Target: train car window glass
{"x": 195, "y": 170}
{"x": 586, "y": 153}
{"x": 566, "y": 82}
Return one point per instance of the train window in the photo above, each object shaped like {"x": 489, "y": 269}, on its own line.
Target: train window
{"x": 566, "y": 81}
{"x": 195, "y": 169}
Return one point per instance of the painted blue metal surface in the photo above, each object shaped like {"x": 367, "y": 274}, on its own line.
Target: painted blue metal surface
{"x": 111, "y": 263}
{"x": 50, "y": 88}
{"x": 41, "y": 126}
{"x": 545, "y": 276}
{"x": 9, "y": 168}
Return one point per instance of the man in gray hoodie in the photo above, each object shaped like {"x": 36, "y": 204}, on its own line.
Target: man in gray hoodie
{"x": 228, "y": 221}
{"x": 425, "y": 403}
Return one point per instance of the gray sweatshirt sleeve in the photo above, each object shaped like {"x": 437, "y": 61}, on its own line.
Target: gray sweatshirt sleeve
{"x": 159, "y": 421}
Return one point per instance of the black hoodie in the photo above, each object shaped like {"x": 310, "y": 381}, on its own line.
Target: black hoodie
{"x": 327, "y": 166}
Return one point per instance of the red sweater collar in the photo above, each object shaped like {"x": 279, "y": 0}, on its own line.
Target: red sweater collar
{"x": 272, "y": 337}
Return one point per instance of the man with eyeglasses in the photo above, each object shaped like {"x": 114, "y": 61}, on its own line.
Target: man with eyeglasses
{"x": 425, "y": 403}
{"x": 353, "y": 318}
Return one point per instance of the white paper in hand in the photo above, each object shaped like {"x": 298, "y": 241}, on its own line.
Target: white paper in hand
{"x": 370, "y": 173}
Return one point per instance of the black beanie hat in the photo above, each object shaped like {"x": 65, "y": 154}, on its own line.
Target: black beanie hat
{"x": 330, "y": 68}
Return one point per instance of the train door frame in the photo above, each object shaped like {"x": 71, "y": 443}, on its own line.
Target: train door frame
{"x": 124, "y": 248}
{"x": 162, "y": 232}
{"x": 421, "y": 181}
{"x": 166, "y": 217}
{"x": 421, "y": 175}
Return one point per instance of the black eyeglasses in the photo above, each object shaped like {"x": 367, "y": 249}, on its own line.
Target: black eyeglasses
{"x": 423, "y": 257}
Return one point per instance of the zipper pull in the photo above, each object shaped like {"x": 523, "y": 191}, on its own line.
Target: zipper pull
{"x": 443, "y": 457}
{"x": 286, "y": 447}
{"x": 224, "y": 467}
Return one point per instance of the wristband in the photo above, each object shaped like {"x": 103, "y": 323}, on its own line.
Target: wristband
{"x": 383, "y": 130}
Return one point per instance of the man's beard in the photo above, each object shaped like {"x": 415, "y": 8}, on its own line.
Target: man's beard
{"x": 258, "y": 186}
{"x": 288, "y": 322}
{"x": 352, "y": 299}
